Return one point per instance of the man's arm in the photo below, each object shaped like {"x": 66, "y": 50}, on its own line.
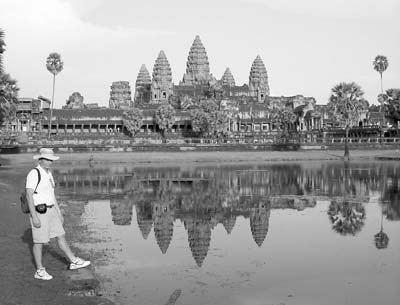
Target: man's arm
{"x": 35, "y": 218}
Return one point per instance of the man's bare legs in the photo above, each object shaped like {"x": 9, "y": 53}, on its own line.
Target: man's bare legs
{"x": 37, "y": 255}
{"x": 62, "y": 243}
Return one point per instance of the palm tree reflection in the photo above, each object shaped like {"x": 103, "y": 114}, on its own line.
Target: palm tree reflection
{"x": 381, "y": 238}
{"x": 347, "y": 217}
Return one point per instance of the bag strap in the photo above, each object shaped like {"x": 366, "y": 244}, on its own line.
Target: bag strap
{"x": 39, "y": 178}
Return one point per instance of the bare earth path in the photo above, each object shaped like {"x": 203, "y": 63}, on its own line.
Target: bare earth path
{"x": 17, "y": 285}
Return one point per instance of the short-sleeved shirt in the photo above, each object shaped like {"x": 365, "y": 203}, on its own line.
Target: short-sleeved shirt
{"x": 45, "y": 189}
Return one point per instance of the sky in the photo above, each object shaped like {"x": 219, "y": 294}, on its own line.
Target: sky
{"x": 307, "y": 46}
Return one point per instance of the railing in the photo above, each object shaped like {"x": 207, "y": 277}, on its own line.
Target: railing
{"x": 125, "y": 141}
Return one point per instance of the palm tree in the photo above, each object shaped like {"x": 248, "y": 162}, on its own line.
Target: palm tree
{"x": 2, "y": 49}
{"x": 381, "y": 64}
{"x": 54, "y": 65}
{"x": 346, "y": 104}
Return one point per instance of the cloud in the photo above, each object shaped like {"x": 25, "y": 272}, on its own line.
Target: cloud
{"x": 338, "y": 9}
{"x": 93, "y": 55}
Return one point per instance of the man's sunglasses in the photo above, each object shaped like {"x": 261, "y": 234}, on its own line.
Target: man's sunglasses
{"x": 46, "y": 159}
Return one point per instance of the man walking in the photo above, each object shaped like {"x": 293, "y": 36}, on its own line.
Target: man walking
{"x": 45, "y": 214}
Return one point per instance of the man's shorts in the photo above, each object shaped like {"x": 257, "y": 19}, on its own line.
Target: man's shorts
{"x": 50, "y": 227}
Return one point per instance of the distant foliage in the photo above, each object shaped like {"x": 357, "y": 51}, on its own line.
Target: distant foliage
{"x": 8, "y": 98}
{"x": 282, "y": 116}
{"x": 8, "y": 89}
{"x": 2, "y": 49}
{"x": 391, "y": 105}
{"x": 346, "y": 104}
{"x": 373, "y": 108}
{"x": 75, "y": 101}
{"x": 208, "y": 120}
{"x": 165, "y": 117}
{"x": 133, "y": 120}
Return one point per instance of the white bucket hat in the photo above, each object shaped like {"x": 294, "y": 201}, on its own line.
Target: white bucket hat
{"x": 46, "y": 153}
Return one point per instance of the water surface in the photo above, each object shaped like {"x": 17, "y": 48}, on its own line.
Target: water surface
{"x": 272, "y": 233}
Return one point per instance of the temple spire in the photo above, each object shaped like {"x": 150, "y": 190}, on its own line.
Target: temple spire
{"x": 161, "y": 87}
{"x": 227, "y": 79}
{"x": 143, "y": 77}
{"x": 143, "y": 86}
{"x": 197, "y": 65}
{"x": 258, "y": 80}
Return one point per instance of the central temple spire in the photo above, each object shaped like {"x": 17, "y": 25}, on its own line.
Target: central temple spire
{"x": 161, "y": 86}
{"x": 197, "y": 65}
{"x": 258, "y": 80}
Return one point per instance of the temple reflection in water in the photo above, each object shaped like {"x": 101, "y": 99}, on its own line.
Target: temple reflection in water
{"x": 203, "y": 197}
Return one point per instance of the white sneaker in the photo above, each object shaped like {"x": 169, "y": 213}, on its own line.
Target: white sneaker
{"x": 41, "y": 274}
{"x": 78, "y": 263}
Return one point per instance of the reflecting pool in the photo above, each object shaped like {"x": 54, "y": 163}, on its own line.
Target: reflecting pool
{"x": 274, "y": 233}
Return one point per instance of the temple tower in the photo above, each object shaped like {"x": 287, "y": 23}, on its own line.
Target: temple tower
{"x": 229, "y": 222}
{"x": 197, "y": 65}
{"x": 259, "y": 222}
{"x": 120, "y": 95}
{"x": 227, "y": 79}
{"x": 199, "y": 236}
{"x": 121, "y": 212}
{"x": 143, "y": 86}
{"x": 163, "y": 219}
{"x": 144, "y": 217}
{"x": 161, "y": 86}
{"x": 258, "y": 80}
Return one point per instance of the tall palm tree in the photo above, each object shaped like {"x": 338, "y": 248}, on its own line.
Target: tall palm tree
{"x": 2, "y": 49}
{"x": 346, "y": 104}
{"x": 380, "y": 65}
{"x": 55, "y": 65}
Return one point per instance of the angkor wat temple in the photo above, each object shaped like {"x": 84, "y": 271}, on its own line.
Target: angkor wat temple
{"x": 250, "y": 102}
{"x": 197, "y": 80}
